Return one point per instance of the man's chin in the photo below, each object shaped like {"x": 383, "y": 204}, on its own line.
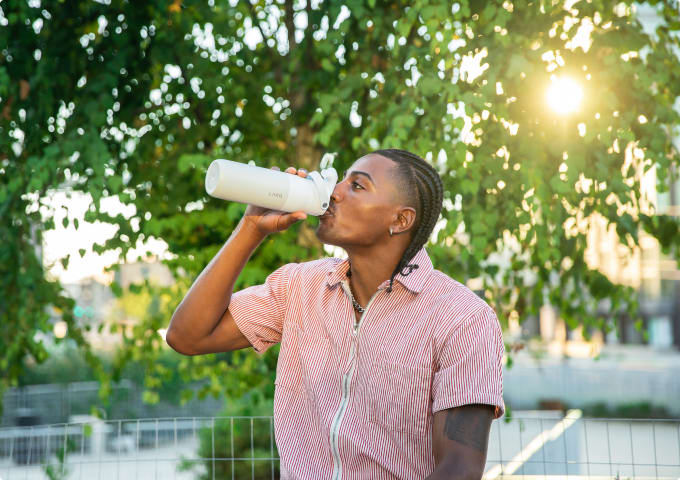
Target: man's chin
{"x": 324, "y": 236}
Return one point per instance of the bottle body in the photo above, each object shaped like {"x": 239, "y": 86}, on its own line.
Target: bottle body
{"x": 273, "y": 189}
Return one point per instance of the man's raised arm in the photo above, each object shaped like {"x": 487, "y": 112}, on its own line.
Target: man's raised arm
{"x": 202, "y": 322}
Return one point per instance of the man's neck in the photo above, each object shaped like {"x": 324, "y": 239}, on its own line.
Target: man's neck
{"x": 370, "y": 269}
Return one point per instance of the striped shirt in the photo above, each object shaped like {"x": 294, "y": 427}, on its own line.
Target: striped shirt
{"x": 355, "y": 400}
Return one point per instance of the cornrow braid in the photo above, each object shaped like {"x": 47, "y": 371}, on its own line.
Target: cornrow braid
{"x": 426, "y": 193}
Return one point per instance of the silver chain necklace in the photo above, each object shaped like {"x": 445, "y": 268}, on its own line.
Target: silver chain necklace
{"x": 355, "y": 304}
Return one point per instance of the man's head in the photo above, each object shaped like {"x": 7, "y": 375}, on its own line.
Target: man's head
{"x": 388, "y": 197}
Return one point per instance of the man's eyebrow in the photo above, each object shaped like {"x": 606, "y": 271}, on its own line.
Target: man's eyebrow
{"x": 359, "y": 172}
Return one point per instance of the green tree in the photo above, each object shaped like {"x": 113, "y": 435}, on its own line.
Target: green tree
{"x": 134, "y": 100}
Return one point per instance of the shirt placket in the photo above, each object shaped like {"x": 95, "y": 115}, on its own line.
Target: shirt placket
{"x": 346, "y": 382}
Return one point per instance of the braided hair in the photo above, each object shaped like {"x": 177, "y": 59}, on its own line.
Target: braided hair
{"x": 425, "y": 193}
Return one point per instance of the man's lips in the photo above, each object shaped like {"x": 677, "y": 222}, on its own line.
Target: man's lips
{"x": 327, "y": 213}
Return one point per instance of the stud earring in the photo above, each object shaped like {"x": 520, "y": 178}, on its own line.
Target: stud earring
{"x": 391, "y": 231}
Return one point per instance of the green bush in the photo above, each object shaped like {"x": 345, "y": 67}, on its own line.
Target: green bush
{"x": 58, "y": 470}
{"x": 65, "y": 365}
{"x": 237, "y": 445}
{"x": 627, "y": 410}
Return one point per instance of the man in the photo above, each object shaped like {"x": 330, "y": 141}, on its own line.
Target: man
{"x": 388, "y": 369}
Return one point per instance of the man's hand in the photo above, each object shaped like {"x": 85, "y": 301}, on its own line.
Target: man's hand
{"x": 265, "y": 221}
{"x": 460, "y": 437}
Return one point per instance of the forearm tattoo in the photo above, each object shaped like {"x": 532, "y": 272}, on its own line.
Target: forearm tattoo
{"x": 468, "y": 428}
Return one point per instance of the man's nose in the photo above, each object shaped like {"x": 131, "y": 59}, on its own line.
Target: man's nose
{"x": 337, "y": 194}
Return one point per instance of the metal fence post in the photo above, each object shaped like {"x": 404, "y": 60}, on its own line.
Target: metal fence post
{"x": 271, "y": 443}
{"x": 213, "y": 448}
{"x": 252, "y": 451}
{"x": 609, "y": 451}
{"x": 585, "y": 436}
{"x": 233, "y": 462}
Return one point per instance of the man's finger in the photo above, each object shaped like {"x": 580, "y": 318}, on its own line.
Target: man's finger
{"x": 291, "y": 170}
{"x": 291, "y": 218}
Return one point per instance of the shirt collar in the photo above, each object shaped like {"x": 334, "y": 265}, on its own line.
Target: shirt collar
{"x": 413, "y": 282}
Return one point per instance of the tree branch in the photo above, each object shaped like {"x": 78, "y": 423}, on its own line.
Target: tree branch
{"x": 290, "y": 24}
{"x": 309, "y": 38}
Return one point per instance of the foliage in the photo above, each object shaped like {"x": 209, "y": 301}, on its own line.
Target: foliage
{"x": 59, "y": 470}
{"x": 133, "y": 100}
{"x": 627, "y": 410}
{"x": 66, "y": 365}
{"x": 237, "y": 435}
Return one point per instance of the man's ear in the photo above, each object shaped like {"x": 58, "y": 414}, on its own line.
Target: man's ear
{"x": 405, "y": 220}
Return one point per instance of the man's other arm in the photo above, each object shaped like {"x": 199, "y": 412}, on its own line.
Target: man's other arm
{"x": 460, "y": 437}
{"x": 202, "y": 322}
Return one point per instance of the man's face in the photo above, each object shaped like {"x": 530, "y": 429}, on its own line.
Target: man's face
{"x": 363, "y": 204}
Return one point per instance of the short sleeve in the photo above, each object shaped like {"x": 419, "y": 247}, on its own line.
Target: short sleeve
{"x": 259, "y": 310}
{"x": 469, "y": 367}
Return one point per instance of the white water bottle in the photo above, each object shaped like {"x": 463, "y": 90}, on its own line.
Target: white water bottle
{"x": 273, "y": 189}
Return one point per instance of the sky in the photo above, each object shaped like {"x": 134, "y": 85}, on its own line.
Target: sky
{"x": 63, "y": 241}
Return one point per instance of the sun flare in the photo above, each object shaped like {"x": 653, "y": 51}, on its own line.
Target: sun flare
{"x": 564, "y": 95}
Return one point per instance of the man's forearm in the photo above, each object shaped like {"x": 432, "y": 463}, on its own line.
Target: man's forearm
{"x": 460, "y": 438}
{"x": 208, "y": 298}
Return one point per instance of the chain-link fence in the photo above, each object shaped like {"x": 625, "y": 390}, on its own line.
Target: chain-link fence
{"x": 530, "y": 445}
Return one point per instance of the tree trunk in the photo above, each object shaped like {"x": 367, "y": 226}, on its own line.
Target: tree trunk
{"x": 307, "y": 156}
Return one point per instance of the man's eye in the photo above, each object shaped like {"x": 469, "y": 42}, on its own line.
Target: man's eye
{"x": 356, "y": 185}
